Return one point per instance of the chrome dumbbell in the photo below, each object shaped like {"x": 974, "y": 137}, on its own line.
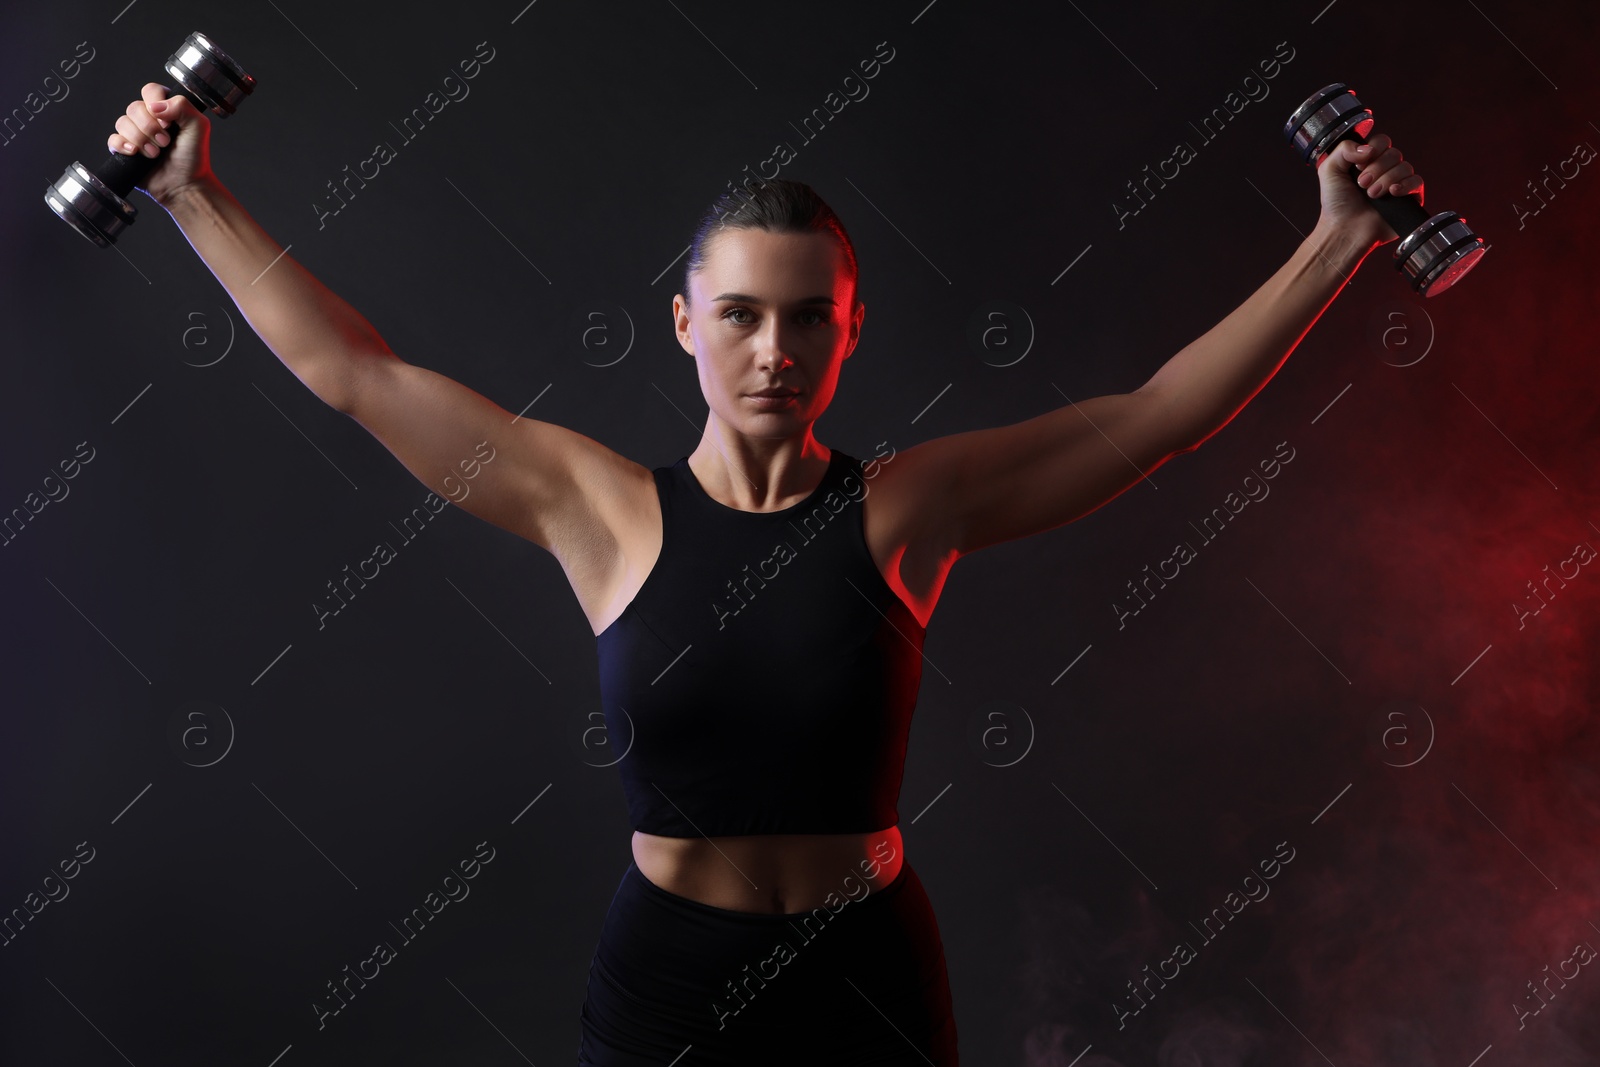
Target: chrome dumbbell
{"x": 1436, "y": 248}
{"x": 94, "y": 202}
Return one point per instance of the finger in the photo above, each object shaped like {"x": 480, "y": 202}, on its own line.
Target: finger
{"x": 1374, "y": 164}
{"x": 1364, "y": 155}
{"x": 1373, "y": 170}
{"x": 1344, "y": 154}
{"x": 147, "y": 123}
{"x": 154, "y": 93}
{"x": 133, "y": 126}
{"x": 1384, "y": 181}
{"x": 170, "y": 108}
{"x": 131, "y": 136}
{"x": 1405, "y": 187}
{"x": 1350, "y": 154}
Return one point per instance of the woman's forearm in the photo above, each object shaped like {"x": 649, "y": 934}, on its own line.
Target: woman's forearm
{"x": 315, "y": 333}
{"x": 1213, "y": 377}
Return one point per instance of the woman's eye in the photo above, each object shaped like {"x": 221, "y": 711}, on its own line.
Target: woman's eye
{"x": 820, "y": 316}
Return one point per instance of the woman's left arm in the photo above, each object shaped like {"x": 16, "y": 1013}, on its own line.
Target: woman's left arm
{"x": 1201, "y": 389}
{"x": 986, "y": 486}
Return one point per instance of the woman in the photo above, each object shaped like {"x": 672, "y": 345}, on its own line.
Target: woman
{"x": 769, "y": 914}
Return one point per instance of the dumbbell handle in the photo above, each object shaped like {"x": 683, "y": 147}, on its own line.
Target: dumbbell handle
{"x": 1404, "y": 213}
{"x": 124, "y": 173}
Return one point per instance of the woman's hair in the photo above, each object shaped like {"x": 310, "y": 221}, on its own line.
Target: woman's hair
{"x": 776, "y": 205}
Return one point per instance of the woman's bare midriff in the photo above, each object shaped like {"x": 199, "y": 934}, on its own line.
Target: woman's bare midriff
{"x": 770, "y": 873}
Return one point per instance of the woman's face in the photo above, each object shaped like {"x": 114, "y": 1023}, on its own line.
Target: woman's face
{"x": 769, "y": 310}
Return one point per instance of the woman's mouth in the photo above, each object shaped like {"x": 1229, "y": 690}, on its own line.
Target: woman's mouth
{"x": 768, "y": 401}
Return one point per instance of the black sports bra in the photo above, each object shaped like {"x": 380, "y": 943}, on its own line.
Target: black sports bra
{"x": 762, "y": 681}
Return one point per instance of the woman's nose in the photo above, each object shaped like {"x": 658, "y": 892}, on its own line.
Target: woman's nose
{"x": 772, "y": 352}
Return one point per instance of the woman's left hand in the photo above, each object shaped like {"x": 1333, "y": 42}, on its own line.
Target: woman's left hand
{"x": 1347, "y": 201}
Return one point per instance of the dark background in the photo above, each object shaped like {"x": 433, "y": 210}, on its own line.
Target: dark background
{"x": 1359, "y": 618}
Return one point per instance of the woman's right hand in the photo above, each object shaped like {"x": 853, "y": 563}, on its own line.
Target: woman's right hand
{"x": 156, "y": 119}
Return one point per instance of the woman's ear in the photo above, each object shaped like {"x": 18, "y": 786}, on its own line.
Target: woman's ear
{"x": 680, "y": 322}
{"x": 855, "y": 327}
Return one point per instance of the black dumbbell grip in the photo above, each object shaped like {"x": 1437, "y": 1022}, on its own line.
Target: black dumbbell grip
{"x": 1404, "y": 213}
{"x": 122, "y": 174}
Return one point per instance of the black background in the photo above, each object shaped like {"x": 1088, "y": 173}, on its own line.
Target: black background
{"x": 1251, "y": 703}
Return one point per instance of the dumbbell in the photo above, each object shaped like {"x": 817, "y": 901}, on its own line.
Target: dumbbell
{"x": 1435, "y": 249}
{"x": 94, "y": 202}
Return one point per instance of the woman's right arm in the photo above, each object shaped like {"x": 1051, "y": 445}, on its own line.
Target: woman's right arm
{"x": 527, "y": 476}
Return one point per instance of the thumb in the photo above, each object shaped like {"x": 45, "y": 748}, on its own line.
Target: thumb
{"x": 1341, "y": 156}
{"x": 174, "y": 109}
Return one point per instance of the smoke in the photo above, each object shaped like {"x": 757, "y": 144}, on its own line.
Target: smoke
{"x": 1440, "y": 909}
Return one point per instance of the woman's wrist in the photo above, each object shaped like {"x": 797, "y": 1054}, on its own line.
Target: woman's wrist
{"x": 1341, "y": 245}
{"x": 192, "y": 195}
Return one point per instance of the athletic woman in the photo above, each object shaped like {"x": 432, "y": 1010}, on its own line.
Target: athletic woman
{"x": 759, "y": 621}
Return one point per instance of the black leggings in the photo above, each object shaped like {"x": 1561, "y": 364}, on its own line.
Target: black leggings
{"x": 678, "y": 982}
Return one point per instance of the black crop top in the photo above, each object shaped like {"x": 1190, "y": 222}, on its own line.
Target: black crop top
{"x": 762, "y": 680}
